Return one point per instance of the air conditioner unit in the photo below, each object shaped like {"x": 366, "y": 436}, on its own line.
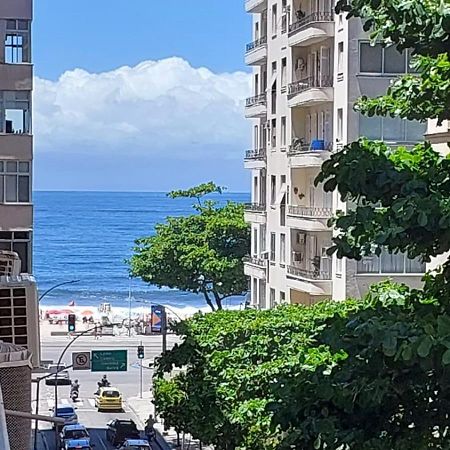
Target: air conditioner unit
{"x": 10, "y": 264}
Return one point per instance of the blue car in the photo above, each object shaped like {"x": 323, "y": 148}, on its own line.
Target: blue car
{"x": 78, "y": 444}
{"x": 73, "y": 433}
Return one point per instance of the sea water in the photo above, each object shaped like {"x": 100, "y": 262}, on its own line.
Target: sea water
{"x": 88, "y": 236}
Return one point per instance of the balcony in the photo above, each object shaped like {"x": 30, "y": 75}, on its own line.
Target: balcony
{"x": 255, "y": 159}
{"x": 255, "y": 212}
{"x": 256, "y": 52}
{"x": 308, "y": 218}
{"x": 311, "y": 29}
{"x": 314, "y": 281}
{"x": 14, "y": 77}
{"x": 301, "y": 154}
{"x": 256, "y": 106}
{"x": 255, "y": 267}
{"x": 310, "y": 91}
{"x": 255, "y": 6}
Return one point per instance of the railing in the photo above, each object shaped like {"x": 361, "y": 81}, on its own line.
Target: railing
{"x": 255, "y": 261}
{"x": 318, "y": 16}
{"x": 308, "y": 83}
{"x": 256, "y": 154}
{"x": 314, "y": 274}
{"x": 302, "y": 147}
{"x": 256, "y": 100}
{"x": 255, "y": 207}
{"x": 310, "y": 211}
{"x": 256, "y": 44}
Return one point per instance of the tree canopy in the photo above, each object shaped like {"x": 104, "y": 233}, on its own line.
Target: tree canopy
{"x": 200, "y": 253}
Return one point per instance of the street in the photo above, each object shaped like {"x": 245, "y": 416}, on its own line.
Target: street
{"x": 127, "y": 382}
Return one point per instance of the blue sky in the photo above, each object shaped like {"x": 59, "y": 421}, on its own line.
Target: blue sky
{"x": 164, "y": 114}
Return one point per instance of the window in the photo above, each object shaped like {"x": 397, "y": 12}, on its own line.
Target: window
{"x": 340, "y": 124}
{"x": 282, "y": 297}
{"x": 274, "y": 98}
{"x": 284, "y": 17}
{"x": 19, "y": 242}
{"x": 15, "y": 183}
{"x": 255, "y": 291}
{"x": 273, "y": 189}
{"x": 283, "y": 131}
{"x": 272, "y": 246}
{"x": 274, "y": 68}
{"x": 17, "y": 38}
{"x": 273, "y": 137}
{"x": 272, "y": 297}
{"x": 339, "y": 266}
{"x": 256, "y": 86}
{"x": 391, "y": 129}
{"x": 283, "y": 72}
{"x": 15, "y": 112}
{"x": 390, "y": 263}
{"x": 255, "y": 241}
{"x": 274, "y": 20}
{"x": 282, "y": 248}
{"x": 340, "y": 67}
{"x": 379, "y": 60}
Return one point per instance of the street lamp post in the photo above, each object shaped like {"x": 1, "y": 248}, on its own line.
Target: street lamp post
{"x": 56, "y": 286}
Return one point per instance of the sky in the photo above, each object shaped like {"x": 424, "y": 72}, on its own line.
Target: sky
{"x": 142, "y": 95}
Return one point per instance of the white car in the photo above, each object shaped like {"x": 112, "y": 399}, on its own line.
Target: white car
{"x": 135, "y": 444}
{"x": 60, "y": 375}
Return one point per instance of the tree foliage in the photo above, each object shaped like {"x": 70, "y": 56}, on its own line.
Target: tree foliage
{"x": 200, "y": 253}
{"x": 362, "y": 375}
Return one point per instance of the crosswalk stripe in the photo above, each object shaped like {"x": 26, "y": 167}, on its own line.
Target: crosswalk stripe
{"x": 91, "y": 402}
{"x": 64, "y": 401}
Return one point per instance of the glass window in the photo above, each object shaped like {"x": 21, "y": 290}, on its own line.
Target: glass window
{"x": 394, "y": 61}
{"x": 282, "y": 297}
{"x": 371, "y": 58}
{"x": 370, "y": 127}
{"x": 282, "y": 248}
{"x": 393, "y": 129}
{"x": 340, "y": 57}
{"x": 415, "y": 131}
{"x": 272, "y": 246}
{"x": 15, "y": 182}
{"x": 283, "y": 72}
{"x": 272, "y": 297}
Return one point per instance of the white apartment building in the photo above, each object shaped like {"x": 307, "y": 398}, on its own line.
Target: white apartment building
{"x": 309, "y": 67}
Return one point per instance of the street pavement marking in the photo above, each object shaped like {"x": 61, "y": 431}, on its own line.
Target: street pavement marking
{"x": 91, "y": 402}
{"x": 64, "y": 401}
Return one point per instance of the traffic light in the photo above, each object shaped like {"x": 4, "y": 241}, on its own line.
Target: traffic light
{"x": 140, "y": 352}
{"x": 71, "y": 319}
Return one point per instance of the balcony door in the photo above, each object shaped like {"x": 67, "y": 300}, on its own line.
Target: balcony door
{"x": 313, "y": 69}
{"x": 324, "y": 65}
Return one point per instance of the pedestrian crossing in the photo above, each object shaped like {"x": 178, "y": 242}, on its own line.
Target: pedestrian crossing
{"x": 81, "y": 403}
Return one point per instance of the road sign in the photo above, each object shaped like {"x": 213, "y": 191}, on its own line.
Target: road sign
{"x": 81, "y": 361}
{"x": 109, "y": 360}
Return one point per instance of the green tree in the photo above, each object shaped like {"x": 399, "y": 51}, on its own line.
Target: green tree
{"x": 201, "y": 253}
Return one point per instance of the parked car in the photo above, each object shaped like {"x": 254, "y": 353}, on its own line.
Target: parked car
{"x": 108, "y": 398}
{"x": 119, "y": 430}
{"x": 61, "y": 377}
{"x": 73, "y": 432}
{"x": 67, "y": 413}
{"x": 135, "y": 444}
{"x": 78, "y": 444}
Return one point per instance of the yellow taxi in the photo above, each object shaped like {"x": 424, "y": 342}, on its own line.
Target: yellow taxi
{"x": 108, "y": 398}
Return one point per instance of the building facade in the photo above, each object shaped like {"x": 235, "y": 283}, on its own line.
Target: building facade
{"x": 18, "y": 299}
{"x": 309, "y": 67}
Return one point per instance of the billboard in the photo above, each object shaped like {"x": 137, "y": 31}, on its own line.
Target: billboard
{"x": 158, "y": 315}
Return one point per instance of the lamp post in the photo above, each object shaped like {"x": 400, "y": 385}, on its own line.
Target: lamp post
{"x": 56, "y": 286}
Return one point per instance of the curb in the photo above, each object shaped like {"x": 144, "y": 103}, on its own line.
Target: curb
{"x": 159, "y": 438}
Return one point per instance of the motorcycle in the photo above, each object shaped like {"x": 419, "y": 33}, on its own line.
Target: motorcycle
{"x": 102, "y": 383}
{"x": 74, "y": 394}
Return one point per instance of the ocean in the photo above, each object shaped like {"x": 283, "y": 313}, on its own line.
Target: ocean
{"x": 87, "y": 236}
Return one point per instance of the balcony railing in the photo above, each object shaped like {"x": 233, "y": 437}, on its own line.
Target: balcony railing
{"x": 255, "y": 44}
{"x": 317, "y": 145}
{"x": 255, "y": 207}
{"x": 318, "y": 16}
{"x": 308, "y": 83}
{"x": 314, "y": 274}
{"x": 256, "y": 100}
{"x": 310, "y": 211}
{"x": 257, "y": 154}
{"x": 255, "y": 261}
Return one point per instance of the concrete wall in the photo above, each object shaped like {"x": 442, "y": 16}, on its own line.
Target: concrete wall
{"x": 16, "y": 9}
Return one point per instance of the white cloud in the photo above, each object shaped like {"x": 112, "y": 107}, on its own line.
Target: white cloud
{"x": 154, "y": 107}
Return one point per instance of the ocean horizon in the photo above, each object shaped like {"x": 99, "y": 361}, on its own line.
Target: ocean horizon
{"x": 88, "y": 235}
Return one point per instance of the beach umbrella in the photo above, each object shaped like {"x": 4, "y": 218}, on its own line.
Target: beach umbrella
{"x": 53, "y": 312}
{"x": 87, "y": 312}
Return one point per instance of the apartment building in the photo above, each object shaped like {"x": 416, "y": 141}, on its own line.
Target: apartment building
{"x": 18, "y": 302}
{"x": 309, "y": 67}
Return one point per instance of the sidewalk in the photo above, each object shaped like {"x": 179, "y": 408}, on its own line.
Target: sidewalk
{"x": 166, "y": 440}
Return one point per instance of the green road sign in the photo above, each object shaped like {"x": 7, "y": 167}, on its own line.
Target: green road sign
{"x": 109, "y": 360}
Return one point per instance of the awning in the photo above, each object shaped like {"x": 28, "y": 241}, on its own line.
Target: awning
{"x": 281, "y": 194}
